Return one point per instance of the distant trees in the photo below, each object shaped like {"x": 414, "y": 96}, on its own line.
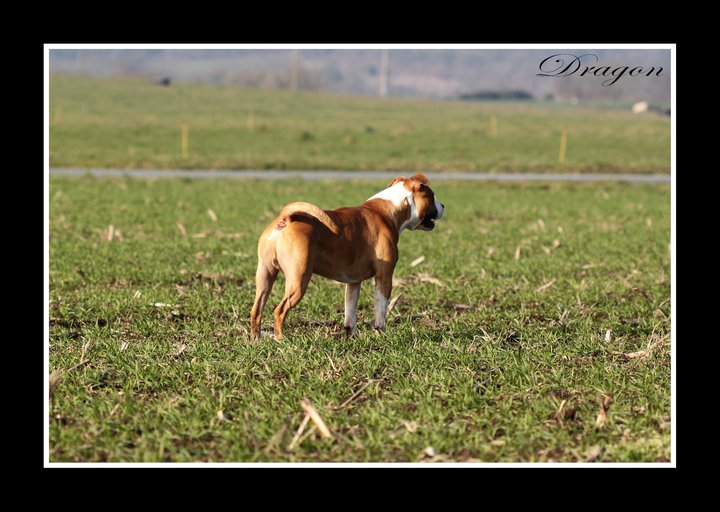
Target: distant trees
{"x": 511, "y": 94}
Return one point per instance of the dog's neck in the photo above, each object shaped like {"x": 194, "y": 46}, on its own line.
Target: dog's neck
{"x": 403, "y": 205}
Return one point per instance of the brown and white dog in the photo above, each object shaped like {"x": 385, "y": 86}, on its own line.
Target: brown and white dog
{"x": 349, "y": 245}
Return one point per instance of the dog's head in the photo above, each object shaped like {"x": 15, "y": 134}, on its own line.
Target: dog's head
{"x": 424, "y": 208}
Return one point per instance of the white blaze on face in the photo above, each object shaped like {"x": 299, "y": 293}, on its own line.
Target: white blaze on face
{"x": 397, "y": 194}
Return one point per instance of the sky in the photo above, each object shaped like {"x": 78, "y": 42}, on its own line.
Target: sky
{"x": 586, "y": 75}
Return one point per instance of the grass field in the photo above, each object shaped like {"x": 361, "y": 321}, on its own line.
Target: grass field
{"x": 97, "y": 122}
{"x": 534, "y": 304}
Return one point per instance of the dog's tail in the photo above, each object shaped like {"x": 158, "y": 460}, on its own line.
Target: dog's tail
{"x": 310, "y": 210}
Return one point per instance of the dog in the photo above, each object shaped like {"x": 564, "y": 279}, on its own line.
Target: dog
{"x": 349, "y": 245}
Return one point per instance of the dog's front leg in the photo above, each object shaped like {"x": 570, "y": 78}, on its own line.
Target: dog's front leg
{"x": 352, "y": 294}
{"x": 383, "y": 288}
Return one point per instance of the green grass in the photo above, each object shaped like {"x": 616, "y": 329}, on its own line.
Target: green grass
{"x": 474, "y": 366}
{"x": 96, "y": 122}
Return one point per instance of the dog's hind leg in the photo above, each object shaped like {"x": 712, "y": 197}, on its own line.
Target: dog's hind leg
{"x": 296, "y": 261}
{"x": 295, "y": 287}
{"x": 264, "y": 280}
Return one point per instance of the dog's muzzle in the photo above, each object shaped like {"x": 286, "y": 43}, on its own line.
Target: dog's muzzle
{"x": 428, "y": 223}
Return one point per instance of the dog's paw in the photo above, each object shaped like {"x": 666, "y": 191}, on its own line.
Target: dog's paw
{"x": 260, "y": 336}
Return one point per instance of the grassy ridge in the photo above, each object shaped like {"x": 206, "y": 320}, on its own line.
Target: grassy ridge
{"x": 98, "y": 122}
{"x": 497, "y": 350}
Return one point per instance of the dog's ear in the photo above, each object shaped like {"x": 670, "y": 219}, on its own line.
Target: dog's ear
{"x": 421, "y": 178}
{"x": 399, "y": 178}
